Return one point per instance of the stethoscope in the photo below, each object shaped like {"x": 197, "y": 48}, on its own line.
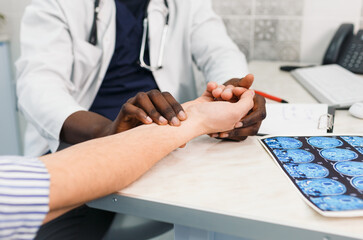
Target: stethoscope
{"x": 93, "y": 35}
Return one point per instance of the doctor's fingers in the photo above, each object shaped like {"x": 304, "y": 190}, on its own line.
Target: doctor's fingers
{"x": 143, "y": 101}
{"x": 245, "y": 82}
{"x": 258, "y": 112}
{"x": 240, "y": 134}
{"x": 130, "y": 111}
{"x": 178, "y": 109}
{"x": 167, "y": 106}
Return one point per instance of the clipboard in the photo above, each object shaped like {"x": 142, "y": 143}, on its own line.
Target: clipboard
{"x": 326, "y": 121}
{"x": 298, "y": 119}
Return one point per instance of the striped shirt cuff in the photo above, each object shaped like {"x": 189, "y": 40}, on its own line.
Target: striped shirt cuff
{"x": 24, "y": 196}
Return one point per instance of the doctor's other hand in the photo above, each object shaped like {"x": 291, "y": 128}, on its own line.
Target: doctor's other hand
{"x": 148, "y": 107}
{"x": 250, "y": 124}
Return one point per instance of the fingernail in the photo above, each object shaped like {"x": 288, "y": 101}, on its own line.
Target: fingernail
{"x": 175, "y": 121}
{"x": 223, "y": 135}
{"x": 162, "y": 120}
{"x": 149, "y": 120}
{"x": 238, "y": 125}
{"x": 182, "y": 115}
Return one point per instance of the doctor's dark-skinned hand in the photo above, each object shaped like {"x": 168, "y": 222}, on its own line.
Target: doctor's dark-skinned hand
{"x": 250, "y": 123}
{"x": 145, "y": 108}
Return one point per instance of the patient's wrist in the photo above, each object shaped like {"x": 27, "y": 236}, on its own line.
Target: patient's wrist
{"x": 196, "y": 121}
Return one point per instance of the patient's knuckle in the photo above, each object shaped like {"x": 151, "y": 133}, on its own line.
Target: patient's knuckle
{"x": 236, "y": 115}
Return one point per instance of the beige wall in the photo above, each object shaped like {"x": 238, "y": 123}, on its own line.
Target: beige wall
{"x": 13, "y": 10}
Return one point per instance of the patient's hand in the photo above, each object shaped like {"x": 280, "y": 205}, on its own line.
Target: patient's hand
{"x": 220, "y": 116}
{"x": 234, "y": 94}
{"x": 251, "y": 123}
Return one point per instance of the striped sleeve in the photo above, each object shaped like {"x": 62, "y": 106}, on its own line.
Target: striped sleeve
{"x": 24, "y": 197}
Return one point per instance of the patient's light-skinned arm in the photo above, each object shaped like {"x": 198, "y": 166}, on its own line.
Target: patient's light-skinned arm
{"x": 102, "y": 166}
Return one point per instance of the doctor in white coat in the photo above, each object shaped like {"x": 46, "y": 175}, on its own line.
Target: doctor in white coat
{"x": 60, "y": 72}
{"x": 74, "y": 52}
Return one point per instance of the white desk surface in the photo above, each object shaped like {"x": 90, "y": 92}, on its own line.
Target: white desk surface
{"x": 235, "y": 188}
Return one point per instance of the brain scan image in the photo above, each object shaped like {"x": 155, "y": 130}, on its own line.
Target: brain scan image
{"x": 338, "y": 203}
{"x": 357, "y": 182}
{"x": 338, "y": 154}
{"x": 283, "y": 142}
{"x": 306, "y": 170}
{"x": 294, "y": 155}
{"x": 324, "y": 142}
{"x": 321, "y": 187}
{"x": 354, "y": 141}
{"x": 360, "y": 149}
{"x": 350, "y": 168}
{"x": 327, "y": 170}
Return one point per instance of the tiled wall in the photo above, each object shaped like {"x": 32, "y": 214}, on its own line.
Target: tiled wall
{"x": 287, "y": 30}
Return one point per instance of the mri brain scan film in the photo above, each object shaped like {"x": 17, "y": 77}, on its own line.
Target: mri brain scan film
{"x": 327, "y": 170}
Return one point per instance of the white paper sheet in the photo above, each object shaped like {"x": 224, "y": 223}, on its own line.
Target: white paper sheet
{"x": 295, "y": 119}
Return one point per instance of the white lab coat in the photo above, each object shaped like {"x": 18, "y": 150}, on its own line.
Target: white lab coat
{"x": 60, "y": 73}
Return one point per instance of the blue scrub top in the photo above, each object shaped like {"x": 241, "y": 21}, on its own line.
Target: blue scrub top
{"x": 124, "y": 77}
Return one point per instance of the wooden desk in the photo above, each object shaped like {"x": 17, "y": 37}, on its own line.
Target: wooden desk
{"x": 226, "y": 190}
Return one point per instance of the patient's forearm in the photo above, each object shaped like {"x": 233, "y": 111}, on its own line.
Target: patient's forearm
{"x": 99, "y": 167}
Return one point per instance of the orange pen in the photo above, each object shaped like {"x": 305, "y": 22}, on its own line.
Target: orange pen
{"x": 277, "y": 99}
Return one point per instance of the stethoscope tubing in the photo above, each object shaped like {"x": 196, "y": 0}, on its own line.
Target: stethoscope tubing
{"x": 93, "y": 35}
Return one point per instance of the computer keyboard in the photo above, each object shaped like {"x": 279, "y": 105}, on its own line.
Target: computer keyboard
{"x": 331, "y": 84}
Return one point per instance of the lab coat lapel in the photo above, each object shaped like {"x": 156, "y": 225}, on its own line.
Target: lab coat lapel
{"x": 157, "y": 12}
{"x": 107, "y": 18}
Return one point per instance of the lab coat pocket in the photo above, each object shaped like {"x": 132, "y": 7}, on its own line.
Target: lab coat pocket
{"x": 87, "y": 59}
